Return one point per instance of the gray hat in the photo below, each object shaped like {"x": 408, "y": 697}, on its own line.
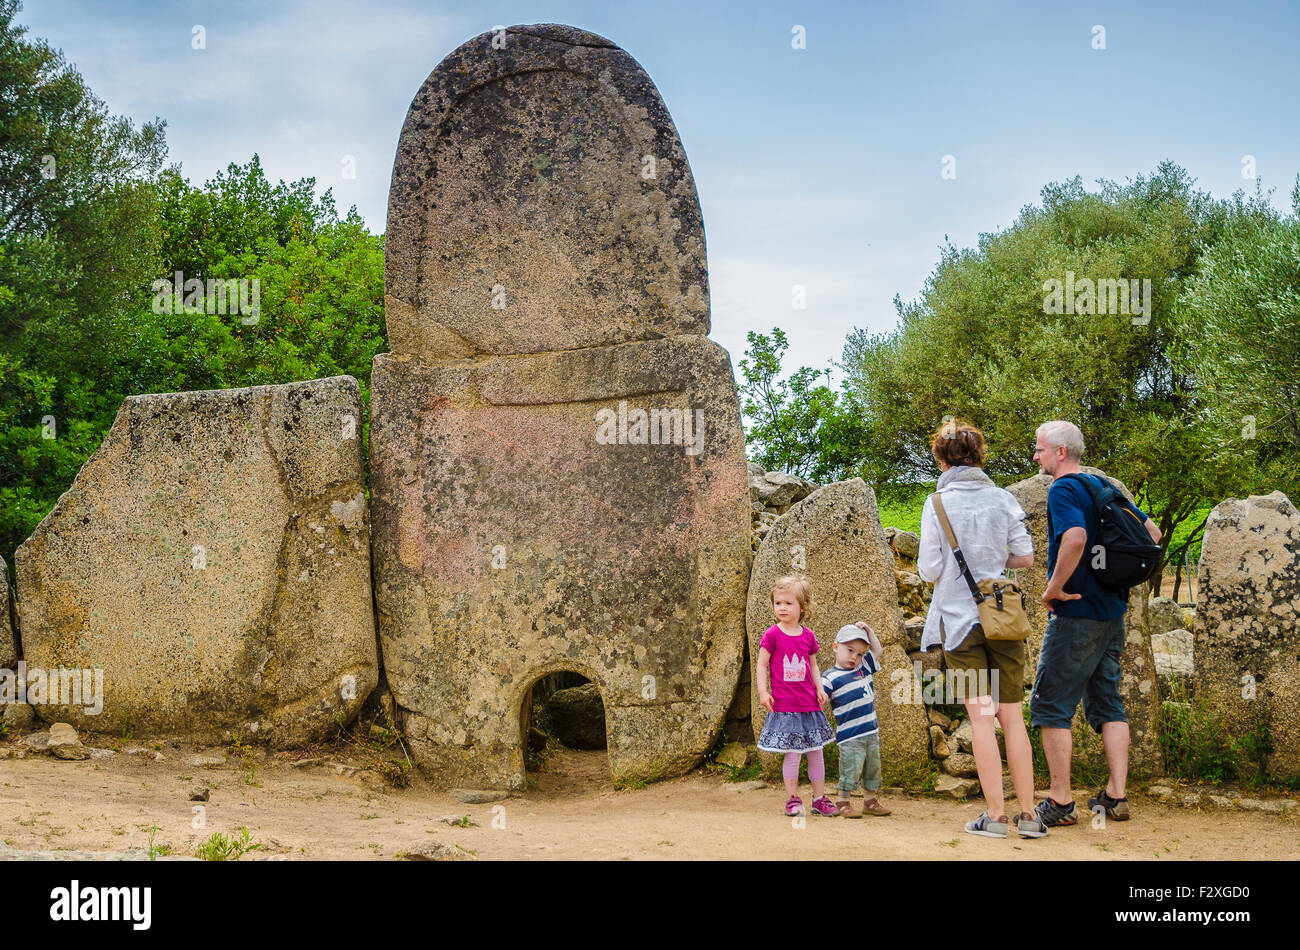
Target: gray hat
{"x": 849, "y": 632}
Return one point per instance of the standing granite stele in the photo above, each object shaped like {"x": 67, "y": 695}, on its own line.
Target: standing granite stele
{"x": 834, "y": 537}
{"x": 212, "y": 559}
{"x": 8, "y": 642}
{"x": 544, "y": 263}
{"x": 1247, "y": 630}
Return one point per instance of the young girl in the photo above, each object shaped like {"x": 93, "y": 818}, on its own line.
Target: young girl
{"x": 795, "y": 723}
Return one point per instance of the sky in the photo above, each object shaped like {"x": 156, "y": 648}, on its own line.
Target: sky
{"x": 820, "y": 166}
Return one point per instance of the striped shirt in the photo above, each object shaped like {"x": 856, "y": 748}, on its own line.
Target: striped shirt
{"x": 853, "y": 699}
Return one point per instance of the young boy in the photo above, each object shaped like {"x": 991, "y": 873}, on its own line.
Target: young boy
{"x": 853, "y": 703}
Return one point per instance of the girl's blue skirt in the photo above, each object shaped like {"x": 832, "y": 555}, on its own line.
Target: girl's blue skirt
{"x": 795, "y": 732}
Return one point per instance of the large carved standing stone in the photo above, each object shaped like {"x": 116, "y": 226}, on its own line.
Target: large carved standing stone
{"x": 8, "y": 642}
{"x": 558, "y": 467}
{"x": 1138, "y": 684}
{"x": 834, "y": 537}
{"x": 547, "y": 165}
{"x": 212, "y": 559}
{"x": 1247, "y": 633}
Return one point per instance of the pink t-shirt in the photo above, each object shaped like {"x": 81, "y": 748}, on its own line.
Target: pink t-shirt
{"x": 790, "y": 671}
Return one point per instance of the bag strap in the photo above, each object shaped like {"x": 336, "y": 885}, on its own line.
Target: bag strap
{"x": 1098, "y": 493}
{"x": 956, "y": 548}
{"x": 1101, "y": 492}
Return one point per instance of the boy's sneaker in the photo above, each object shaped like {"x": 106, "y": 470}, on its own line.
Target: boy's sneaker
{"x": 1030, "y": 826}
{"x": 1116, "y": 808}
{"x": 849, "y": 808}
{"x": 1053, "y": 815}
{"x": 794, "y": 806}
{"x": 986, "y": 826}
{"x": 825, "y": 807}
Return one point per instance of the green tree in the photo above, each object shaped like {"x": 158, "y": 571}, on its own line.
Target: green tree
{"x": 79, "y": 255}
{"x": 78, "y": 243}
{"x": 797, "y": 425}
{"x": 320, "y": 280}
{"x": 1240, "y": 335}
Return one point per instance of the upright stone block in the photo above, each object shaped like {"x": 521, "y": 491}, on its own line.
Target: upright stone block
{"x": 8, "y": 641}
{"x": 1247, "y": 632}
{"x": 557, "y": 462}
{"x": 212, "y": 559}
{"x": 834, "y": 537}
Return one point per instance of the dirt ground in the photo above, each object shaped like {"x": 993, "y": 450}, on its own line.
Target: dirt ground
{"x": 572, "y": 812}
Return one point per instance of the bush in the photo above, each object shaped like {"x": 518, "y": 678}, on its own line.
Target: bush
{"x": 226, "y": 847}
{"x": 1197, "y": 744}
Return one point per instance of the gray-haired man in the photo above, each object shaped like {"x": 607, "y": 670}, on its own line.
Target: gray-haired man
{"x": 1080, "y": 658}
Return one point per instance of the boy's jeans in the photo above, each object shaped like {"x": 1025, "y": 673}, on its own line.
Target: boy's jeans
{"x": 860, "y": 763}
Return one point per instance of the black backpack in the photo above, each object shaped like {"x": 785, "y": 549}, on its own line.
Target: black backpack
{"x": 1128, "y": 556}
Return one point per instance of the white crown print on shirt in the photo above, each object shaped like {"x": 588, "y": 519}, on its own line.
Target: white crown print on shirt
{"x": 794, "y": 668}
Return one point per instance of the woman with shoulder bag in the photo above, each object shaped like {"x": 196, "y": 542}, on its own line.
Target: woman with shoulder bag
{"x": 986, "y": 667}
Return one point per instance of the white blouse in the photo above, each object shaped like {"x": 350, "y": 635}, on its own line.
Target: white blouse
{"x": 989, "y": 523}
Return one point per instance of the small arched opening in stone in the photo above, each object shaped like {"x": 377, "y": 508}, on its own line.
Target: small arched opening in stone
{"x": 562, "y": 721}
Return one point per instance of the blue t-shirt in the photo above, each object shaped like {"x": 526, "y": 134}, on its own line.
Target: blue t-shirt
{"x": 1070, "y": 506}
{"x": 853, "y": 699}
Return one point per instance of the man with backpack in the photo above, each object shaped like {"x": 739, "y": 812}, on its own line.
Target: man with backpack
{"x": 1098, "y": 545}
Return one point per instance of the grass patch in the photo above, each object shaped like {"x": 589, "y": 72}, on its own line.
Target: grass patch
{"x": 226, "y": 847}
{"x": 127, "y": 735}
{"x": 917, "y": 775}
{"x": 396, "y": 774}
{"x": 157, "y": 850}
{"x": 652, "y": 772}
{"x": 1198, "y": 744}
{"x": 900, "y": 505}
{"x": 379, "y": 748}
{"x": 248, "y": 755}
{"x": 748, "y": 772}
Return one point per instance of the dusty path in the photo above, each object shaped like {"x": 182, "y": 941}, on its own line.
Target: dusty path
{"x": 305, "y": 813}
